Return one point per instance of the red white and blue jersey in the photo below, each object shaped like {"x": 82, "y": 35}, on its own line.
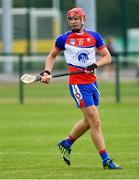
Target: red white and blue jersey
{"x": 80, "y": 52}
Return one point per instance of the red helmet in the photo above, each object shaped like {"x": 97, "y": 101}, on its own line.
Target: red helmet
{"x": 76, "y": 12}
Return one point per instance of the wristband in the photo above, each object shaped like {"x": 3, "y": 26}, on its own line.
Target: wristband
{"x": 46, "y": 71}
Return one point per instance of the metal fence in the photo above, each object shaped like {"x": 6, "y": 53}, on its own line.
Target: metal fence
{"x": 125, "y": 67}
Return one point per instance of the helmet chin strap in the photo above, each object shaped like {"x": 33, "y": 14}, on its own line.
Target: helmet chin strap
{"x": 76, "y": 30}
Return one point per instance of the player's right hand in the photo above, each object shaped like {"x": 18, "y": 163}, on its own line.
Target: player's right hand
{"x": 45, "y": 76}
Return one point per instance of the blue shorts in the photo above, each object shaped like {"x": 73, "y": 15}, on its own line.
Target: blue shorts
{"x": 85, "y": 95}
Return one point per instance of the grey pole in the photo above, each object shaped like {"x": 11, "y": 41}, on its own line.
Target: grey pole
{"x": 90, "y": 8}
{"x": 7, "y": 33}
{"x": 56, "y": 4}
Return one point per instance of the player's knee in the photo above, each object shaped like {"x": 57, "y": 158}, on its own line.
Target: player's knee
{"x": 96, "y": 124}
{"x": 94, "y": 120}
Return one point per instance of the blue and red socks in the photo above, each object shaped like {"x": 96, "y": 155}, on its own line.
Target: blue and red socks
{"x": 104, "y": 156}
{"x": 67, "y": 143}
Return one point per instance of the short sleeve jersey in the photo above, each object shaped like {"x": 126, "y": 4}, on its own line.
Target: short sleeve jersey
{"x": 80, "y": 52}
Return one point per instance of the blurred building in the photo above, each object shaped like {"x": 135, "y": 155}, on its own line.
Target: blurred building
{"x": 38, "y": 22}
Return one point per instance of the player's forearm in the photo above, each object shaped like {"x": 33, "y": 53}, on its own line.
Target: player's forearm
{"x": 49, "y": 63}
{"x": 105, "y": 60}
{"x": 50, "y": 60}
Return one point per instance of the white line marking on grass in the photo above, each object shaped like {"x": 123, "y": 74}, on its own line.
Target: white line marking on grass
{"x": 53, "y": 153}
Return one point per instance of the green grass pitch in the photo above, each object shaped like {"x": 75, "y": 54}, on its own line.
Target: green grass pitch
{"x": 29, "y": 133}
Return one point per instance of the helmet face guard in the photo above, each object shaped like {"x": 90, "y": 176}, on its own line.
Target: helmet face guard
{"x": 76, "y": 12}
